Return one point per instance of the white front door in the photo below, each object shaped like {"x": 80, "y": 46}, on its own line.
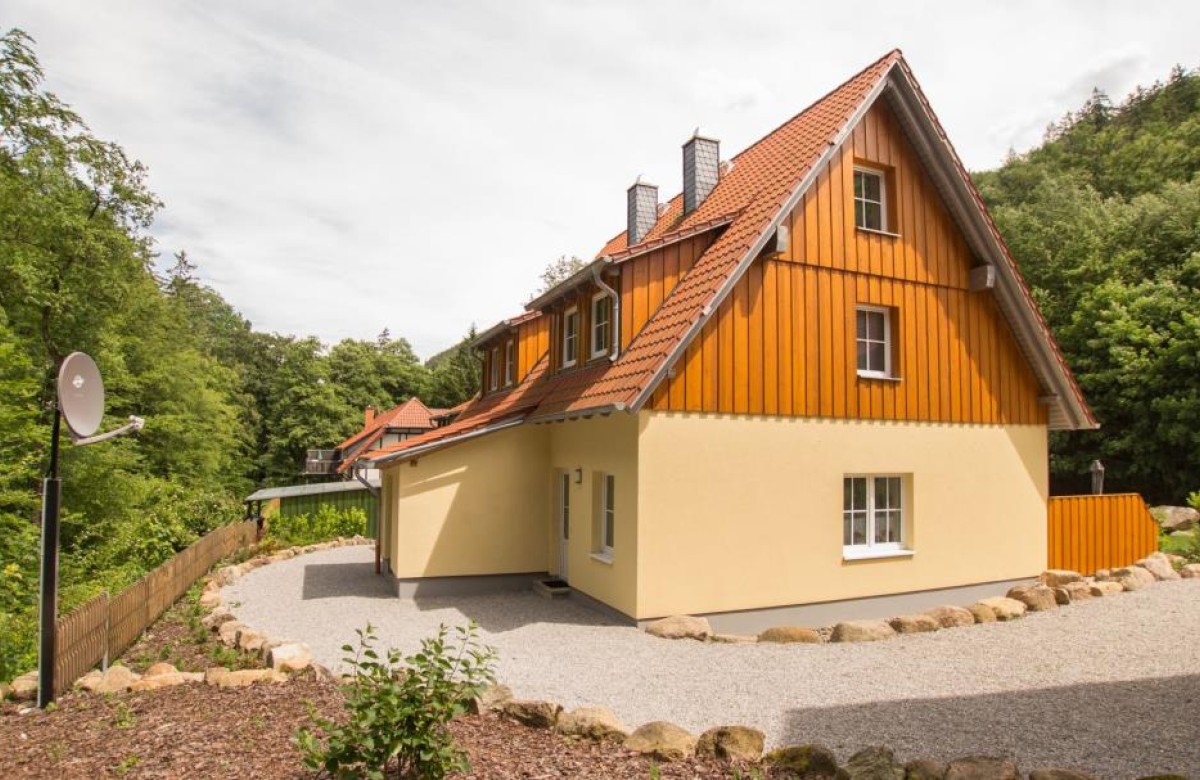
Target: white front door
{"x": 564, "y": 522}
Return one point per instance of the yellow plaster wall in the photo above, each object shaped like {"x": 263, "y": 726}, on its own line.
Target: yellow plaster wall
{"x": 598, "y": 445}
{"x": 746, "y": 512}
{"x": 475, "y": 508}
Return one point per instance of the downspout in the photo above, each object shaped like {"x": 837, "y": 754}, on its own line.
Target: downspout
{"x": 616, "y": 311}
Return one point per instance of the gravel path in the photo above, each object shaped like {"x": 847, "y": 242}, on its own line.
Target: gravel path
{"x": 1111, "y": 686}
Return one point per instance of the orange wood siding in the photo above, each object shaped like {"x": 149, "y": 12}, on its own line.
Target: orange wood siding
{"x": 784, "y": 341}
{"x": 646, "y": 281}
{"x": 533, "y": 339}
{"x": 1086, "y": 533}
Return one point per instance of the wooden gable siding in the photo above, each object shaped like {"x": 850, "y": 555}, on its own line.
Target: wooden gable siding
{"x": 783, "y": 342}
{"x": 647, "y": 280}
{"x": 533, "y": 339}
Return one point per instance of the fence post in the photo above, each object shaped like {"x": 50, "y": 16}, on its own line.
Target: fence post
{"x": 1097, "y": 469}
{"x": 107, "y": 629}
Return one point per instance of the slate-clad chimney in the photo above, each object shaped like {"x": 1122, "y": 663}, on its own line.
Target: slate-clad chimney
{"x": 701, "y": 169}
{"x": 643, "y": 209}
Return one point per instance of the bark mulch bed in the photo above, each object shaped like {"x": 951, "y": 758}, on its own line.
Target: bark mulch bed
{"x": 204, "y": 732}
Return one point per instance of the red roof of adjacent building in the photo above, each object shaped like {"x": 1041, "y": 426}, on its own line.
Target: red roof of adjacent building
{"x": 755, "y": 190}
{"x": 410, "y": 415}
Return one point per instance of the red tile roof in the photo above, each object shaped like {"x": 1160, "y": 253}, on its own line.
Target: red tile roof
{"x": 412, "y": 414}
{"x": 754, "y": 192}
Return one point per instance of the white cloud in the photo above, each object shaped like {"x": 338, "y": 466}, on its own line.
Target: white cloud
{"x": 339, "y": 169}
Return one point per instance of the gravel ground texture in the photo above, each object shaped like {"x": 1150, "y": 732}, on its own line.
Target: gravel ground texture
{"x": 1110, "y": 686}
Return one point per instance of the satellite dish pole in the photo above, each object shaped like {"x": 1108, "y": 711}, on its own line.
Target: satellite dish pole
{"x": 80, "y": 401}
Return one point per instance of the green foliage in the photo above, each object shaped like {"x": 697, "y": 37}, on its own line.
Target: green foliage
{"x": 398, "y": 709}
{"x": 1193, "y": 500}
{"x": 1104, "y": 221}
{"x": 324, "y": 524}
{"x": 454, "y": 374}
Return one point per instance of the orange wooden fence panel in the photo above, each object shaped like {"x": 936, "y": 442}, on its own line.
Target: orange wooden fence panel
{"x": 1086, "y": 533}
{"x": 105, "y": 627}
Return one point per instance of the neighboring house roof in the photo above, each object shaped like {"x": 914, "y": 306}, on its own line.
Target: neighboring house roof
{"x": 317, "y": 488}
{"x": 410, "y": 415}
{"x": 756, "y": 191}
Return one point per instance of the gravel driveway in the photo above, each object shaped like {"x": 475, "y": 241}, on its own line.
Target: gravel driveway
{"x": 1111, "y": 686}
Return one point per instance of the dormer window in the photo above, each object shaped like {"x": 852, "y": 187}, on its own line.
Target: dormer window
{"x": 510, "y": 362}
{"x": 870, "y": 199}
{"x": 570, "y": 340}
{"x": 494, "y": 368}
{"x": 601, "y": 324}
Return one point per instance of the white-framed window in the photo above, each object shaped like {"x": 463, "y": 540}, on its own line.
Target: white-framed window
{"x": 870, "y": 199}
{"x": 494, "y": 368}
{"x": 873, "y": 513}
{"x": 607, "y": 514}
{"x": 602, "y": 309}
{"x": 510, "y": 361}
{"x": 874, "y": 341}
{"x": 570, "y": 342}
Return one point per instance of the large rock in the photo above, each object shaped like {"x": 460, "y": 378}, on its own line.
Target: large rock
{"x": 490, "y": 699}
{"x": 680, "y": 627}
{"x": 914, "y": 624}
{"x": 790, "y": 635}
{"x": 595, "y": 723}
{"x": 251, "y": 641}
{"x": 1190, "y": 571}
{"x": 245, "y": 678}
{"x": 1059, "y": 774}
{"x": 116, "y": 679}
{"x": 1056, "y": 578}
{"x": 873, "y": 763}
{"x": 982, "y": 768}
{"x": 159, "y": 681}
{"x": 804, "y": 760}
{"x": 160, "y": 668}
{"x": 862, "y": 631}
{"x": 25, "y": 687}
{"x": 731, "y": 743}
{"x": 950, "y": 616}
{"x": 90, "y": 680}
{"x": 218, "y": 617}
{"x": 1037, "y": 598}
{"x": 291, "y": 657}
{"x": 1077, "y": 591}
{"x": 1159, "y": 565}
{"x": 982, "y": 613}
{"x": 1175, "y": 518}
{"x": 924, "y": 769}
{"x": 734, "y": 639}
{"x": 210, "y": 599}
{"x": 230, "y": 631}
{"x": 1133, "y": 577}
{"x": 535, "y": 714}
{"x": 1005, "y": 608}
{"x": 662, "y": 741}
{"x": 1108, "y": 588}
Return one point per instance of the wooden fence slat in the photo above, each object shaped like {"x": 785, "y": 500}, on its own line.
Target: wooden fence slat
{"x": 1087, "y": 533}
{"x": 107, "y": 626}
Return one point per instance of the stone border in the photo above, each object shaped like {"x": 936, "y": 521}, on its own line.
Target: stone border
{"x": 1052, "y": 589}
{"x": 282, "y": 656}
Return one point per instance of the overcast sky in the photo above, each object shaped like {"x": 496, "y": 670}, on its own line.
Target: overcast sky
{"x": 336, "y": 168}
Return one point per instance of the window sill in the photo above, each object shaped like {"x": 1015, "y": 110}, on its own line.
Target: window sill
{"x": 880, "y": 377}
{"x": 605, "y": 558}
{"x": 852, "y": 554}
{"x": 875, "y": 232}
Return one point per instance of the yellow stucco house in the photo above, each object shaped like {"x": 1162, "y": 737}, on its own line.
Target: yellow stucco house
{"x": 811, "y": 386}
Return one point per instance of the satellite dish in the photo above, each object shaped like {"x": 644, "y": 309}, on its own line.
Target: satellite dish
{"x": 81, "y": 394}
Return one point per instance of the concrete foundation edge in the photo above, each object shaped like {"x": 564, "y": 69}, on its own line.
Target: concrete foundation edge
{"x": 752, "y": 621}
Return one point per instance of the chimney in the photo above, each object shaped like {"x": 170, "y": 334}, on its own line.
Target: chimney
{"x": 701, "y": 169}
{"x": 643, "y": 209}
{"x": 368, "y": 415}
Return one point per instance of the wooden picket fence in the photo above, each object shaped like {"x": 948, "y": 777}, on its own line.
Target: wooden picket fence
{"x": 105, "y": 627}
{"x": 1087, "y": 533}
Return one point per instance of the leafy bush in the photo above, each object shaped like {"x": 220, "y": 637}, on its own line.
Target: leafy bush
{"x": 1194, "y": 500}
{"x": 327, "y": 523}
{"x": 399, "y": 709}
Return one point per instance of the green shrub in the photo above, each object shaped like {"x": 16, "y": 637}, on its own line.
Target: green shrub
{"x": 326, "y": 523}
{"x": 398, "y": 709}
